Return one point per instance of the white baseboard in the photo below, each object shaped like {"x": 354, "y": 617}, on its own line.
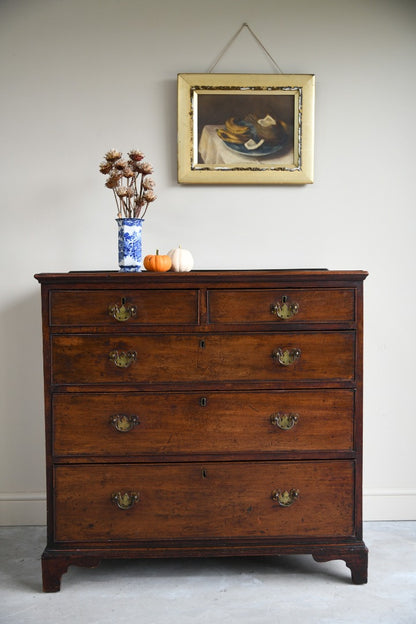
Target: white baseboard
{"x": 378, "y": 504}
{"x": 22, "y": 509}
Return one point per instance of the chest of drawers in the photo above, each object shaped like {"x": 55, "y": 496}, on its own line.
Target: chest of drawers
{"x": 209, "y": 413}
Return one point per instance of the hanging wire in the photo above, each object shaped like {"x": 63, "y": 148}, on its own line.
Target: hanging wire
{"x": 244, "y": 25}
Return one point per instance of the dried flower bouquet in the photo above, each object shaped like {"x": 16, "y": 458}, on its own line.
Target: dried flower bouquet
{"x": 130, "y": 181}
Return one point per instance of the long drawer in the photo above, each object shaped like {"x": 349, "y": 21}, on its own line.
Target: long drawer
{"x": 196, "y": 500}
{"x": 146, "y": 423}
{"x": 150, "y": 358}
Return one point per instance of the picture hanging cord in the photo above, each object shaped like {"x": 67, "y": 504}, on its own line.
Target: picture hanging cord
{"x": 245, "y": 25}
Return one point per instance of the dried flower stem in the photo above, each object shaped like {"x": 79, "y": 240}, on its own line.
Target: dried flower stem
{"x": 130, "y": 182}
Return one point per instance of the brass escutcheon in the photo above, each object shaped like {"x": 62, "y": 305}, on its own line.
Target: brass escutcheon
{"x": 124, "y": 423}
{"x": 122, "y": 359}
{"x": 123, "y": 312}
{"x": 286, "y": 356}
{"x": 126, "y": 500}
{"x": 285, "y": 498}
{"x": 284, "y": 310}
{"x": 284, "y": 421}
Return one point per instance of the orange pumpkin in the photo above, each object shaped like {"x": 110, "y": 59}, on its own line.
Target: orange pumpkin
{"x": 157, "y": 263}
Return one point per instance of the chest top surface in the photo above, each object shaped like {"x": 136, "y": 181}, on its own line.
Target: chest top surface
{"x": 141, "y": 279}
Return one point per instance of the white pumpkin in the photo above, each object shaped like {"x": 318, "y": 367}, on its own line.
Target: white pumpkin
{"x": 182, "y": 260}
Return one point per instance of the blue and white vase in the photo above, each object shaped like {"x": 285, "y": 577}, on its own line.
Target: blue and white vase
{"x": 130, "y": 244}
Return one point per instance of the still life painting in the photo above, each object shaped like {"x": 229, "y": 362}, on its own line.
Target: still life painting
{"x": 245, "y": 128}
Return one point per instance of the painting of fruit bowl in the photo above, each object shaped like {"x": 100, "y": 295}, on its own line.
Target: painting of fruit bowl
{"x": 255, "y": 137}
{"x": 245, "y": 128}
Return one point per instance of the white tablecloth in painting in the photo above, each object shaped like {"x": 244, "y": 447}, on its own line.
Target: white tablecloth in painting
{"x": 213, "y": 151}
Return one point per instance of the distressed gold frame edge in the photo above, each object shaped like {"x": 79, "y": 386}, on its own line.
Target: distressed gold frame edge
{"x": 188, "y": 84}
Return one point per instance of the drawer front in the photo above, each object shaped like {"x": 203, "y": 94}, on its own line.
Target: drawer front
{"x": 214, "y": 422}
{"x": 301, "y": 356}
{"x": 118, "y": 308}
{"x": 219, "y": 500}
{"x": 281, "y": 306}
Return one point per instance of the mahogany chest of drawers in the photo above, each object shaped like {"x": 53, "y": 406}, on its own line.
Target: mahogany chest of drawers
{"x": 209, "y": 413}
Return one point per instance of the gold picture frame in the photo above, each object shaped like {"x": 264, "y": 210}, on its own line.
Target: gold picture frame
{"x": 245, "y": 128}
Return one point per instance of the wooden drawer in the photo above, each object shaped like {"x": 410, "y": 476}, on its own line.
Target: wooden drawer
{"x": 206, "y": 423}
{"x": 296, "y": 305}
{"x": 92, "y": 308}
{"x": 196, "y": 500}
{"x": 90, "y": 359}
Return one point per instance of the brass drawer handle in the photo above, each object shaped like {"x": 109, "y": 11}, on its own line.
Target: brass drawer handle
{"x": 284, "y": 421}
{"x": 126, "y": 500}
{"x": 123, "y": 359}
{"x": 124, "y": 423}
{"x": 285, "y": 498}
{"x": 124, "y": 312}
{"x": 286, "y": 357}
{"x": 284, "y": 310}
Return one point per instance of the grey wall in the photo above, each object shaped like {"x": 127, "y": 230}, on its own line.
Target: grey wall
{"x": 79, "y": 77}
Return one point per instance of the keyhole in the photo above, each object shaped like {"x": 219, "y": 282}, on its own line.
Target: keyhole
{"x": 123, "y": 301}
{"x": 202, "y": 344}
{"x": 204, "y": 473}
{"x": 284, "y": 299}
{"x": 203, "y": 401}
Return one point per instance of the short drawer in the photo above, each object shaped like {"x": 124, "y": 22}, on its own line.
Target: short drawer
{"x": 143, "y": 423}
{"x": 195, "y": 500}
{"x": 123, "y": 308}
{"x": 281, "y": 306}
{"x": 300, "y": 356}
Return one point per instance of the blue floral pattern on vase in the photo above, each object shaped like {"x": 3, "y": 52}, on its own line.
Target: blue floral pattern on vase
{"x": 130, "y": 244}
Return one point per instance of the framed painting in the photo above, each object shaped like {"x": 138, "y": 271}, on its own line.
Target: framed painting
{"x": 245, "y": 128}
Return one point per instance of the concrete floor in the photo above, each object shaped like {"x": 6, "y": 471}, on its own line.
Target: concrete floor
{"x": 257, "y": 590}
